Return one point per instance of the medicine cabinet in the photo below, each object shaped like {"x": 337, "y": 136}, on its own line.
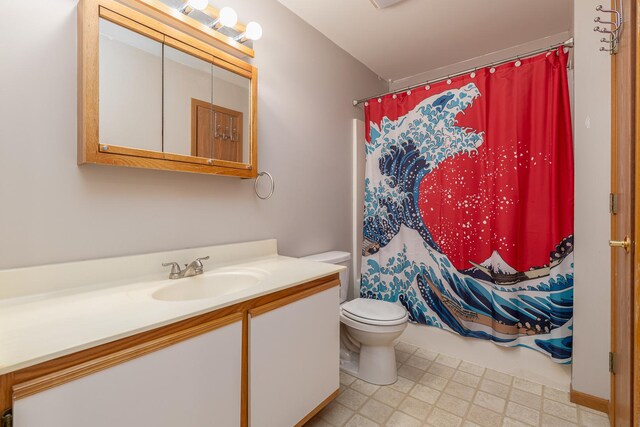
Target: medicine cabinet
{"x": 152, "y": 96}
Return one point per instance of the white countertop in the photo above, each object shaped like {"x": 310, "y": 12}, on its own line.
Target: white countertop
{"x": 42, "y": 326}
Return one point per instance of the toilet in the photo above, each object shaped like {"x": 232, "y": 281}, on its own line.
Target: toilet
{"x": 368, "y": 329}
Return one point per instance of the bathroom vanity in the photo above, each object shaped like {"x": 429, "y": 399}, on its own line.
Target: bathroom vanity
{"x": 252, "y": 341}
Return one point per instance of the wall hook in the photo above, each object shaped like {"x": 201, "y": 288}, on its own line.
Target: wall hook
{"x": 616, "y": 27}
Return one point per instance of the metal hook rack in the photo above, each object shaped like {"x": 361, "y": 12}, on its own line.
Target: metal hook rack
{"x": 615, "y": 30}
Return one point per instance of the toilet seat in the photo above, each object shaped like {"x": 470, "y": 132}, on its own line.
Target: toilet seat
{"x": 375, "y": 322}
{"x": 374, "y": 312}
{"x": 375, "y": 329}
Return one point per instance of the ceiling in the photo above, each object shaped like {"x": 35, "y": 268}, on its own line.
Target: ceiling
{"x": 414, "y": 36}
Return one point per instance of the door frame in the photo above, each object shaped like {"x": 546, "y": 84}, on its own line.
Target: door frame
{"x": 634, "y": 233}
{"x": 635, "y": 347}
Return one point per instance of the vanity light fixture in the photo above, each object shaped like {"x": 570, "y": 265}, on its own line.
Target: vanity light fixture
{"x": 253, "y": 32}
{"x": 227, "y": 18}
{"x": 190, "y": 5}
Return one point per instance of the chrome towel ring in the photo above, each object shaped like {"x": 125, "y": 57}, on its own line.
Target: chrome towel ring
{"x": 272, "y": 187}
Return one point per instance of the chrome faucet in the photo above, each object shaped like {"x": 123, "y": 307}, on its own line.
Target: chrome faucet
{"x": 193, "y": 269}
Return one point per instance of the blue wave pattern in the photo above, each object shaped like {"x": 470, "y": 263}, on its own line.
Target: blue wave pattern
{"x": 406, "y": 265}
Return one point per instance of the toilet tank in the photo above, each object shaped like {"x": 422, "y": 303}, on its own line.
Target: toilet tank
{"x": 340, "y": 258}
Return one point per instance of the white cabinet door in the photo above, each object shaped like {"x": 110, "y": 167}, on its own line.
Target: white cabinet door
{"x": 194, "y": 383}
{"x": 294, "y": 359}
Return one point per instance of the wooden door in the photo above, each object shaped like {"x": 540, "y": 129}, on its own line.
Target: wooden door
{"x": 216, "y": 132}
{"x": 201, "y": 129}
{"x": 623, "y": 221}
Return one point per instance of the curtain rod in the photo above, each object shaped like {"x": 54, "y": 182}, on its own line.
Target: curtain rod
{"x": 568, "y": 43}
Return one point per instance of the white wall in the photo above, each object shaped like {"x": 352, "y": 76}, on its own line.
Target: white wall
{"x": 51, "y": 210}
{"x": 480, "y": 61}
{"x": 359, "y": 157}
{"x": 592, "y": 134}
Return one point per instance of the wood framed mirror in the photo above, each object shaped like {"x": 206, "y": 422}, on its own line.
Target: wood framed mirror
{"x": 153, "y": 96}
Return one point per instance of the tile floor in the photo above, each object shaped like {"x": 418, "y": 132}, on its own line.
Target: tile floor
{"x": 440, "y": 391}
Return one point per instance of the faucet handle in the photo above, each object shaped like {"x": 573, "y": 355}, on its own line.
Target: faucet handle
{"x": 175, "y": 267}
{"x": 198, "y": 263}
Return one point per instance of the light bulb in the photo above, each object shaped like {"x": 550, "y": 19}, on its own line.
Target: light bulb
{"x": 253, "y": 31}
{"x": 228, "y": 17}
{"x": 199, "y": 4}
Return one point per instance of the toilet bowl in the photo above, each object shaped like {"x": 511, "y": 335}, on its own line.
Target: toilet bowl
{"x": 368, "y": 330}
{"x": 371, "y": 326}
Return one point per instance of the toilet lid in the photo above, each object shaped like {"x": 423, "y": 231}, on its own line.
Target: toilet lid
{"x": 374, "y": 311}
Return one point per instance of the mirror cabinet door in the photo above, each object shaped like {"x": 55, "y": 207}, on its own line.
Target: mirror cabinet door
{"x": 188, "y": 82}
{"x": 232, "y": 112}
{"x": 130, "y": 88}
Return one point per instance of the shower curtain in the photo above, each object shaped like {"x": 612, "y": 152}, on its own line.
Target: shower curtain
{"x": 468, "y": 217}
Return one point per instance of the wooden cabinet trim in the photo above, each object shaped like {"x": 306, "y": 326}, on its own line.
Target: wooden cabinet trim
{"x": 244, "y": 387}
{"x": 188, "y": 49}
{"x": 129, "y": 151}
{"x": 257, "y": 311}
{"x": 130, "y": 24}
{"x": 253, "y": 122}
{"x": 318, "y": 408}
{"x": 246, "y": 72}
{"x": 266, "y": 299}
{"x": 88, "y": 90}
{"x": 170, "y": 162}
{"x": 95, "y": 365}
{"x": 143, "y": 155}
{"x": 47, "y": 371}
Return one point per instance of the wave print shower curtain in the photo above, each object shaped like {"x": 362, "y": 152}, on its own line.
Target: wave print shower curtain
{"x": 469, "y": 204}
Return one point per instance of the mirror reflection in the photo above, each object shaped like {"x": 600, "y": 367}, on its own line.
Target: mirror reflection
{"x": 130, "y": 88}
{"x": 185, "y": 78}
{"x": 170, "y": 97}
{"x": 231, "y": 101}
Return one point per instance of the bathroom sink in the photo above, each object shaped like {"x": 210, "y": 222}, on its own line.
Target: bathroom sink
{"x": 210, "y": 285}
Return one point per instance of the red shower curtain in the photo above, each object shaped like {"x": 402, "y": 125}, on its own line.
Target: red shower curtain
{"x": 469, "y": 204}
{"x": 519, "y": 183}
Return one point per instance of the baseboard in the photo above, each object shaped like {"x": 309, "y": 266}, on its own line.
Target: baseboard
{"x": 593, "y": 402}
